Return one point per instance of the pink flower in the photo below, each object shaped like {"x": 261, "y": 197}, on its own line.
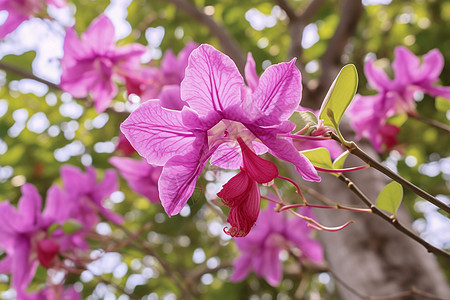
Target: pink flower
{"x": 163, "y": 83}
{"x": 90, "y": 65}
{"x": 241, "y": 193}
{"x": 24, "y": 237}
{"x": 141, "y": 177}
{"x": 22, "y": 10}
{"x": 272, "y": 233}
{"x": 53, "y": 292}
{"x": 221, "y": 110}
{"x": 86, "y": 196}
{"x": 369, "y": 113}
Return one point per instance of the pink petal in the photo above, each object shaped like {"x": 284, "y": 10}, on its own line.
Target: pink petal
{"x": 242, "y": 266}
{"x": 100, "y": 35}
{"x": 376, "y": 77}
{"x": 170, "y": 97}
{"x": 278, "y": 94}
{"x": 250, "y": 72}
{"x": 179, "y": 177}
{"x": 30, "y": 205}
{"x": 212, "y": 83}
{"x": 157, "y": 134}
{"x": 235, "y": 191}
{"x": 431, "y": 68}
{"x": 140, "y": 176}
{"x": 272, "y": 266}
{"x": 405, "y": 65}
{"x": 260, "y": 170}
{"x": 227, "y": 156}
{"x": 11, "y": 23}
{"x": 23, "y": 268}
{"x": 103, "y": 92}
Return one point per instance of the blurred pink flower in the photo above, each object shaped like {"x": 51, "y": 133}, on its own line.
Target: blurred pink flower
{"x": 164, "y": 82}
{"x": 141, "y": 176}
{"x": 22, "y": 10}
{"x": 53, "y": 292}
{"x": 272, "y": 233}
{"x": 90, "y": 65}
{"x": 24, "y": 236}
{"x": 369, "y": 113}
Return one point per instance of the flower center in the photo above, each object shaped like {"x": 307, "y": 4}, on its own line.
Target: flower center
{"x": 229, "y": 131}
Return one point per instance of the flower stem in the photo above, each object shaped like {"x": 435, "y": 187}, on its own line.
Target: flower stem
{"x": 430, "y": 122}
{"x": 355, "y": 150}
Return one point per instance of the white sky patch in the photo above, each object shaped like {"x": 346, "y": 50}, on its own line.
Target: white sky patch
{"x": 117, "y": 13}
{"x": 310, "y": 36}
{"x": 259, "y": 20}
{"x": 376, "y": 2}
{"x": 154, "y": 36}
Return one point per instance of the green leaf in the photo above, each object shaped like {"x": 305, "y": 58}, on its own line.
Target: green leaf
{"x": 71, "y": 226}
{"x": 52, "y": 228}
{"x": 397, "y": 120}
{"x": 390, "y": 197}
{"x": 442, "y": 104}
{"x": 340, "y": 160}
{"x": 319, "y": 157}
{"x": 22, "y": 62}
{"x": 303, "y": 118}
{"x": 339, "y": 96}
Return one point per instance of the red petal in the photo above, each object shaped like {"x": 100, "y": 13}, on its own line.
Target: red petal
{"x": 261, "y": 170}
{"x": 243, "y": 217}
{"x": 235, "y": 190}
{"x": 47, "y": 250}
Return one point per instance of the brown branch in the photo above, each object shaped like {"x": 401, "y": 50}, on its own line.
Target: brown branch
{"x": 355, "y": 150}
{"x": 229, "y": 45}
{"x": 430, "y": 122}
{"x": 392, "y": 220}
{"x": 288, "y": 9}
{"x": 26, "y": 74}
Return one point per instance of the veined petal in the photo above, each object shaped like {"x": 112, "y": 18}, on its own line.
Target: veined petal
{"x": 250, "y": 73}
{"x": 278, "y": 94}
{"x": 100, "y": 34}
{"x": 156, "y": 133}
{"x": 212, "y": 83}
{"x": 227, "y": 156}
{"x": 285, "y": 150}
{"x": 235, "y": 191}
{"x": 179, "y": 177}
{"x": 243, "y": 217}
{"x": 259, "y": 169}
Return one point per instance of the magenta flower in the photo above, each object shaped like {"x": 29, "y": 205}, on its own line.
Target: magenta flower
{"x": 90, "y": 65}
{"x": 54, "y": 292}
{"x": 164, "y": 82}
{"x": 22, "y": 10}
{"x": 221, "y": 112}
{"x": 272, "y": 233}
{"x": 24, "y": 237}
{"x": 86, "y": 196}
{"x": 369, "y": 113}
{"x": 141, "y": 177}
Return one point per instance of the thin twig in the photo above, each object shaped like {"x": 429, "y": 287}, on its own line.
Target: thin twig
{"x": 430, "y": 122}
{"x": 229, "y": 44}
{"x": 392, "y": 220}
{"x": 147, "y": 247}
{"x": 355, "y": 150}
{"x": 26, "y": 74}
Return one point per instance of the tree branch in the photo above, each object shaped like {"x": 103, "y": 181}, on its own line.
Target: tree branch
{"x": 355, "y": 150}
{"x": 26, "y": 74}
{"x": 351, "y": 186}
{"x": 228, "y": 43}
